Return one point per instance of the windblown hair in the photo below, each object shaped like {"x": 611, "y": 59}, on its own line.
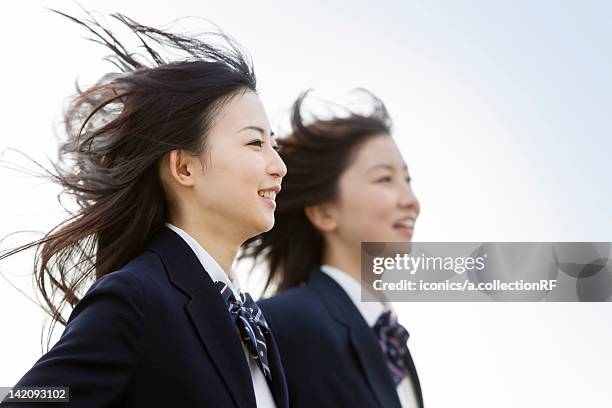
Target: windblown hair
{"x": 117, "y": 132}
{"x": 316, "y": 155}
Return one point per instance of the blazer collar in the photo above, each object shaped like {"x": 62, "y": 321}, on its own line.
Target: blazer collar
{"x": 370, "y": 311}
{"x": 211, "y": 266}
{"x": 208, "y": 313}
{"x": 415, "y": 377}
{"x": 279, "y": 383}
{"x": 342, "y": 309}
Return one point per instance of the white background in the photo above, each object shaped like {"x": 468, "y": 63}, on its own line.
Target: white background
{"x": 501, "y": 110}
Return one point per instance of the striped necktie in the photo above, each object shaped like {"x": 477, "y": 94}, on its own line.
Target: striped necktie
{"x": 251, "y": 325}
{"x": 392, "y": 338}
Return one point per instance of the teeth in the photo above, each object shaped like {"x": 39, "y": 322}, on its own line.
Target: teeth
{"x": 268, "y": 194}
{"x": 407, "y": 223}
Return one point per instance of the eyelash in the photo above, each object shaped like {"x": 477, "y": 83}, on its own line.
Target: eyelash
{"x": 388, "y": 178}
{"x": 259, "y": 143}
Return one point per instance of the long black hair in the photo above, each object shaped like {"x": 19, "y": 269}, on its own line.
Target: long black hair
{"x": 316, "y": 154}
{"x": 116, "y": 134}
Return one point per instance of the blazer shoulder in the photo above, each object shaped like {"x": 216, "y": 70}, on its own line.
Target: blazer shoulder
{"x": 144, "y": 267}
{"x": 296, "y": 308}
{"x": 288, "y": 301}
{"x": 101, "y": 346}
{"x": 138, "y": 282}
{"x": 146, "y": 270}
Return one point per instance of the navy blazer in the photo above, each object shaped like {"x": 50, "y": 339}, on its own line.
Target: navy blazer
{"x": 331, "y": 356}
{"x": 155, "y": 333}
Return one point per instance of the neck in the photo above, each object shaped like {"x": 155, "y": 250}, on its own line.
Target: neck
{"x": 348, "y": 259}
{"x": 221, "y": 247}
{"x": 343, "y": 257}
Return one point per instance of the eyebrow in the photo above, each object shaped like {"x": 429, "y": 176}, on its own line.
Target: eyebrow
{"x": 386, "y": 166}
{"x": 257, "y": 129}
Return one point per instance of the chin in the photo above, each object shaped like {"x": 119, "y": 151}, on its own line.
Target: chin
{"x": 265, "y": 224}
{"x": 397, "y": 238}
{"x": 269, "y": 226}
{"x": 403, "y": 238}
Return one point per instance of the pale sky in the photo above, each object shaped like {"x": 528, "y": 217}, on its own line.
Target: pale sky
{"x": 501, "y": 110}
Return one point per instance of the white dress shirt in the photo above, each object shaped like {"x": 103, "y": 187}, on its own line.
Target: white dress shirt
{"x": 371, "y": 311}
{"x": 263, "y": 395}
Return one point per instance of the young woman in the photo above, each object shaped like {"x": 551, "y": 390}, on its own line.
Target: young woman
{"x": 347, "y": 183}
{"x": 173, "y": 166}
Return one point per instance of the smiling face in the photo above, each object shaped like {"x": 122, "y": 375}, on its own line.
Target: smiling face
{"x": 376, "y": 201}
{"x": 230, "y": 190}
{"x": 242, "y": 171}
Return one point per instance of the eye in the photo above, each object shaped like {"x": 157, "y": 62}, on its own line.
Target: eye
{"x": 408, "y": 179}
{"x": 256, "y": 143}
{"x": 276, "y": 147}
{"x": 384, "y": 179}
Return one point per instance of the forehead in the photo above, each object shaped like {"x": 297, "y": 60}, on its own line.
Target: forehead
{"x": 380, "y": 149}
{"x": 244, "y": 109}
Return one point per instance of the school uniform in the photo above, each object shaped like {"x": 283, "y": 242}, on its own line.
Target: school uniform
{"x": 338, "y": 351}
{"x": 163, "y": 331}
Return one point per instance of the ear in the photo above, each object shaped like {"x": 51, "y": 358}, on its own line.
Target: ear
{"x": 322, "y": 216}
{"x": 181, "y": 167}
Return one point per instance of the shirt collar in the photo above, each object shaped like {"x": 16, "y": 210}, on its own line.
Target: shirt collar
{"x": 370, "y": 311}
{"x": 212, "y": 267}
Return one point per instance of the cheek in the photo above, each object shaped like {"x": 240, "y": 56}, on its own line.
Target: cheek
{"x": 368, "y": 212}
{"x": 226, "y": 182}
{"x": 248, "y": 177}
{"x": 376, "y": 202}
{"x": 241, "y": 174}
{"x": 378, "y": 219}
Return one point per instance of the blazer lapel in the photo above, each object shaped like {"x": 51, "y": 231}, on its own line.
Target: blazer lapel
{"x": 417, "y": 384}
{"x": 279, "y": 383}
{"x": 208, "y": 313}
{"x": 362, "y": 337}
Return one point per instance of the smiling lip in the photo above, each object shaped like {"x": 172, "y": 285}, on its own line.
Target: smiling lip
{"x": 275, "y": 189}
{"x": 405, "y": 231}
{"x": 405, "y": 226}
{"x": 269, "y": 201}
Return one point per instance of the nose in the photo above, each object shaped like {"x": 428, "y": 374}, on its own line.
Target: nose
{"x": 276, "y": 165}
{"x": 408, "y": 200}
